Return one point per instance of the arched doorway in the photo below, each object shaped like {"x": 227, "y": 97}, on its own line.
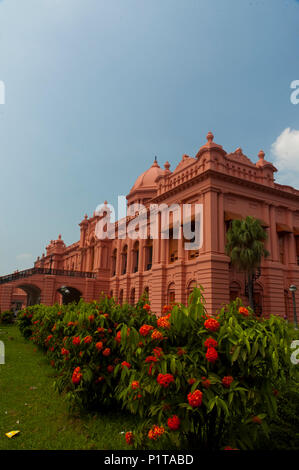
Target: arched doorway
{"x": 171, "y": 293}
{"x": 124, "y": 259}
{"x": 114, "y": 258}
{"x": 234, "y": 290}
{"x": 258, "y": 299}
{"x": 69, "y": 294}
{"x": 190, "y": 287}
{"x": 132, "y": 296}
{"x": 33, "y": 293}
{"x": 135, "y": 257}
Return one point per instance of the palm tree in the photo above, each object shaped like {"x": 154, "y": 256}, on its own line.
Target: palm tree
{"x": 245, "y": 246}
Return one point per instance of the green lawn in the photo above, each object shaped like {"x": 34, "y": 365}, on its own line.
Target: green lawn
{"x": 29, "y": 403}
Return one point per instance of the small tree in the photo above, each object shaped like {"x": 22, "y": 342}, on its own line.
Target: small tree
{"x": 245, "y": 246}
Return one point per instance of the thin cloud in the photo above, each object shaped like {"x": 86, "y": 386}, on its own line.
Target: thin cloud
{"x": 24, "y": 256}
{"x": 285, "y": 150}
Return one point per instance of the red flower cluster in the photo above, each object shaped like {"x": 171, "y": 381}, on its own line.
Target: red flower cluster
{"x": 110, "y": 369}
{"x": 76, "y": 340}
{"x": 210, "y": 343}
{"x": 70, "y": 323}
{"x": 64, "y": 352}
{"x": 118, "y": 337}
{"x": 174, "y": 423}
{"x": 156, "y": 432}
{"x": 191, "y": 381}
{"x": 166, "y": 308}
{"x": 181, "y": 352}
{"x": 91, "y": 318}
{"x": 157, "y": 335}
{"x": 256, "y": 420}
{"x": 163, "y": 322}
{"x": 205, "y": 382}
{"x": 135, "y": 384}
{"x": 243, "y": 311}
{"x": 158, "y": 352}
{"x": 48, "y": 338}
{"x": 99, "y": 346}
{"x": 150, "y": 359}
{"x": 211, "y": 355}
{"x": 195, "y": 398}
{"x": 106, "y": 352}
{"x": 145, "y": 329}
{"x": 212, "y": 324}
{"x": 226, "y": 381}
{"x": 100, "y": 329}
{"x": 125, "y": 364}
{"x": 146, "y": 307}
{"x": 77, "y": 376}
{"x": 165, "y": 379}
{"x": 129, "y": 437}
{"x": 87, "y": 339}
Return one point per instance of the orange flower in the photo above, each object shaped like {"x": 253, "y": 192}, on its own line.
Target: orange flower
{"x": 77, "y": 376}
{"x": 87, "y": 339}
{"x": 129, "y": 437}
{"x": 156, "y": 432}
{"x": 157, "y": 335}
{"x": 163, "y": 322}
{"x": 135, "y": 384}
{"x": 212, "y": 324}
{"x": 106, "y": 352}
{"x": 243, "y": 311}
{"x": 145, "y": 329}
{"x": 146, "y": 307}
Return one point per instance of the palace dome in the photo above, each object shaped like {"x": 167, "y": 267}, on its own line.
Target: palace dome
{"x": 147, "y": 179}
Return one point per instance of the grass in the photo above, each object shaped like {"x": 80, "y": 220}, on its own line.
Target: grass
{"x": 29, "y": 403}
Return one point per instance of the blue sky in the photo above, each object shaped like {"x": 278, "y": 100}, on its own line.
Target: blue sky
{"x": 95, "y": 89}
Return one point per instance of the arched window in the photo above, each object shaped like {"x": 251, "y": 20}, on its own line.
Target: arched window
{"x": 171, "y": 293}
{"x": 114, "y": 258}
{"x": 148, "y": 254}
{"x": 135, "y": 257}
{"x": 190, "y": 287}
{"x": 124, "y": 259}
{"x": 132, "y": 296}
{"x": 234, "y": 291}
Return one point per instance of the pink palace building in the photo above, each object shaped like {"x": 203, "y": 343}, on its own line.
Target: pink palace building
{"x": 229, "y": 186}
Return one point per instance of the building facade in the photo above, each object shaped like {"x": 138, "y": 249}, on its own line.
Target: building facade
{"x": 229, "y": 186}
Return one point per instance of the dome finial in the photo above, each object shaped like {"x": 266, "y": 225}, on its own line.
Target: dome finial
{"x": 210, "y": 136}
{"x": 261, "y": 155}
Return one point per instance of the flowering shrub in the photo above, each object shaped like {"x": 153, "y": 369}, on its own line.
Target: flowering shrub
{"x": 202, "y": 379}
{"x": 82, "y": 342}
{"x": 196, "y": 381}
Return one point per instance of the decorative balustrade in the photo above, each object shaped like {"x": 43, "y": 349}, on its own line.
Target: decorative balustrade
{"x": 32, "y": 271}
